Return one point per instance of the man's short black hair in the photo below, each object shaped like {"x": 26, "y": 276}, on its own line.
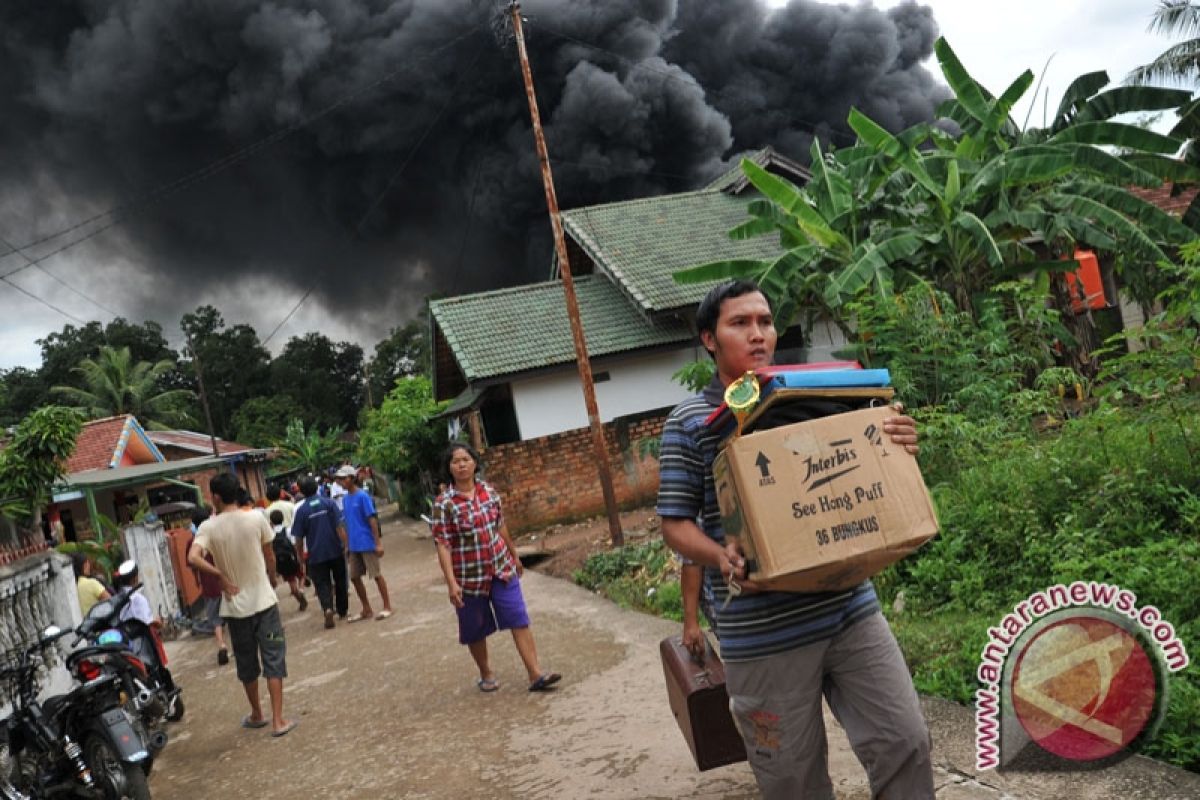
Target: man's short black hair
{"x": 225, "y": 486}
{"x": 710, "y": 307}
{"x": 199, "y": 514}
{"x": 308, "y": 486}
{"x": 709, "y": 310}
{"x": 277, "y": 517}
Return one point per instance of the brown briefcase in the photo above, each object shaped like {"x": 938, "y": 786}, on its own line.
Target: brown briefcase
{"x": 696, "y": 691}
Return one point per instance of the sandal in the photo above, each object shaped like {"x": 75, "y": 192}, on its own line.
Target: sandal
{"x": 359, "y": 618}
{"x": 382, "y": 615}
{"x": 487, "y": 684}
{"x": 249, "y": 723}
{"x": 545, "y": 681}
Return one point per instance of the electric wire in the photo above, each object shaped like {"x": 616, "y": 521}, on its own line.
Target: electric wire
{"x": 42, "y": 300}
{"x": 357, "y": 233}
{"x": 68, "y": 286}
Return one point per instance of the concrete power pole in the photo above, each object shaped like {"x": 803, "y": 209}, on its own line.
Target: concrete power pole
{"x": 560, "y": 247}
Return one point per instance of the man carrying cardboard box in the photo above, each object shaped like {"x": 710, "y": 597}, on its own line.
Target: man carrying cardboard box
{"x": 784, "y": 651}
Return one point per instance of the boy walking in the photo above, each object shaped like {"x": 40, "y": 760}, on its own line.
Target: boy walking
{"x": 244, "y": 562}
{"x": 366, "y": 544}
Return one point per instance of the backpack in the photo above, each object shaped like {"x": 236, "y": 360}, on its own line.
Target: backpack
{"x": 286, "y": 562}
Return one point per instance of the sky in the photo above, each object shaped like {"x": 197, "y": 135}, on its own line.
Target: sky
{"x": 995, "y": 41}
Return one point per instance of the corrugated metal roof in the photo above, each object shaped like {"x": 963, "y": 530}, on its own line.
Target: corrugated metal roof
{"x": 525, "y": 327}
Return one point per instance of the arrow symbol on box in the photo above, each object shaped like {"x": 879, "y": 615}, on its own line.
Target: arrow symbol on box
{"x": 763, "y": 463}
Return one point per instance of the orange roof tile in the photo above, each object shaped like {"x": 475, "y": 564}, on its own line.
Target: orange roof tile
{"x": 1162, "y": 198}
{"x": 97, "y": 444}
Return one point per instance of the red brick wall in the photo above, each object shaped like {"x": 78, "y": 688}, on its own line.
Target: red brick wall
{"x": 554, "y": 479}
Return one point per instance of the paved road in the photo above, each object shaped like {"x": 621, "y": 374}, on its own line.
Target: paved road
{"x": 390, "y": 710}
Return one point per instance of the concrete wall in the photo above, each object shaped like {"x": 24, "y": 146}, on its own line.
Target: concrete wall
{"x": 147, "y": 545}
{"x": 36, "y": 592}
{"x": 553, "y": 478}
{"x": 552, "y": 404}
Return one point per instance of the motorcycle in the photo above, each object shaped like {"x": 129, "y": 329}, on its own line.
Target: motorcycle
{"x": 79, "y": 744}
{"x": 106, "y": 657}
{"x": 151, "y": 689}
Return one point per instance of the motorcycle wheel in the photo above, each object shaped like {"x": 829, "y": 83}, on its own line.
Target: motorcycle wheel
{"x": 117, "y": 780}
{"x": 176, "y": 712}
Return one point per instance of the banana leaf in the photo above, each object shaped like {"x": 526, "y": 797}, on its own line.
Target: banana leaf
{"x": 1117, "y": 134}
{"x": 1076, "y": 95}
{"x": 871, "y": 264}
{"x": 970, "y": 94}
{"x": 728, "y": 269}
{"x": 1128, "y": 99}
{"x": 1148, "y": 215}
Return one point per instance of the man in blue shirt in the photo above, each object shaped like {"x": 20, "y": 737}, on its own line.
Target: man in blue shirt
{"x": 317, "y": 526}
{"x": 366, "y": 544}
{"x": 782, "y": 650}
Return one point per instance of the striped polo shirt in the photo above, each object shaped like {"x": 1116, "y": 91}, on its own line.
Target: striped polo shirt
{"x": 752, "y": 626}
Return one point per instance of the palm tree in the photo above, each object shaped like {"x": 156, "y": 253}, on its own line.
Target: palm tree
{"x": 114, "y": 384}
{"x": 1179, "y": 63}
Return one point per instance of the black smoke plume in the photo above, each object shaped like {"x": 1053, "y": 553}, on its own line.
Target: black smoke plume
{"x": 103, "y": 101}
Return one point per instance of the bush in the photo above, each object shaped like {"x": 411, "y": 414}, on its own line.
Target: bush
{"x": 643, "y": 576}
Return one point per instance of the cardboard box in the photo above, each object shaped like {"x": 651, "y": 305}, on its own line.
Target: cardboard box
{"x": 823, "y": 505}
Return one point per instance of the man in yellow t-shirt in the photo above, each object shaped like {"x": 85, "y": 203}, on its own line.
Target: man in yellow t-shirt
{"x": 90, "y": 590}
{"x": 240, "y": 544}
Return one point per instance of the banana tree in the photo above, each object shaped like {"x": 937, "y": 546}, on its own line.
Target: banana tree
{"x": 964, "y": 210}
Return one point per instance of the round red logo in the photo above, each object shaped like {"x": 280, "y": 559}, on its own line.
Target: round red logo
{"x": 1084, "y": 687}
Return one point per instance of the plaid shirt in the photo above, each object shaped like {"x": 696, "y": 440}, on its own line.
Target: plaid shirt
{"x": 469, "y": 527}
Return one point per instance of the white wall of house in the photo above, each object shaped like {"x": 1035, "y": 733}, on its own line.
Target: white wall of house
{"x": 549, "y": 404}
{"x": 823, "y": 341}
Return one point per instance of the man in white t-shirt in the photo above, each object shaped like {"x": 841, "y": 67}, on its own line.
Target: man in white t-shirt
{"x": 240, "y": 544}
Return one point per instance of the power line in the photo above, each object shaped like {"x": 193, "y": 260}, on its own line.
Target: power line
{"x": 809, "y": 125}
{"x": 450, "y": 97}
{"x": 44, "y": 302}
{"x": 45, "y": 271}
{"x": 211, "y": 169}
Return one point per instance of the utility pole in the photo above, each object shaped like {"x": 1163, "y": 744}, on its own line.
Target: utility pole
{"x": 564, "y": 268}
{"x": 367, "y": 372}
{"x": 203, "y": 397}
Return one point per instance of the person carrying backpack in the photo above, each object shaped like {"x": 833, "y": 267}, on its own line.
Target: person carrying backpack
{"x": 287, "y": 559}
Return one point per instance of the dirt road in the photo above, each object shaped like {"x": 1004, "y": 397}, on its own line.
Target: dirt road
{"x": 390, "y": 710}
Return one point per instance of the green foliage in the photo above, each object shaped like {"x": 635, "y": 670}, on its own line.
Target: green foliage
{"x": 960, "y": 213}
{"x": 401, "y": 438}
{"x": 106, "y": 553}
{"x": 263, "y": 421}
{"x": 324, "y": 378}
{"x": 310, "y": 450}
{"x": 696, "y": 375}
{"x": 642, "y": 575}
{"x": 113, "y": 383}
{"x": 35, "y": 458}
{"x": 404, "y": 353}
{"x": 236, "y": 366}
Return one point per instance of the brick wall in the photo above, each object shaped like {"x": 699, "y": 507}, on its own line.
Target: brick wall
{"x": 553, "y": 478}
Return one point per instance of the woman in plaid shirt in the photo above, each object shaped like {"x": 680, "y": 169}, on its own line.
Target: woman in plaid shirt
{"x": 481, "y": 568}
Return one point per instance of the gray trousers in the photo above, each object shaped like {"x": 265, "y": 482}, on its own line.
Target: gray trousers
{"x": 776, "y": 702}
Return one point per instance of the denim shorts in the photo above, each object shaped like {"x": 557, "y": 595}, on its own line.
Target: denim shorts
{"x": 483, "y": 615}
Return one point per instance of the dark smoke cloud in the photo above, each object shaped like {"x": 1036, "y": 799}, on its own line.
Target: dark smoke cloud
{"x": 103, "y": 100}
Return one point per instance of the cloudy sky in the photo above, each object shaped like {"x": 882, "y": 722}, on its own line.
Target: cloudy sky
{"x": 996, "y": 41}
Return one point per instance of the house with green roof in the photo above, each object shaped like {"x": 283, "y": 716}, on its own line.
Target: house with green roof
{"x": 508, "y": 354}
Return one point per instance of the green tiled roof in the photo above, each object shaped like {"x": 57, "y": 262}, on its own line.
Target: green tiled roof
{"x": 525, "y": 327}
{"x": 642, "y": 242}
